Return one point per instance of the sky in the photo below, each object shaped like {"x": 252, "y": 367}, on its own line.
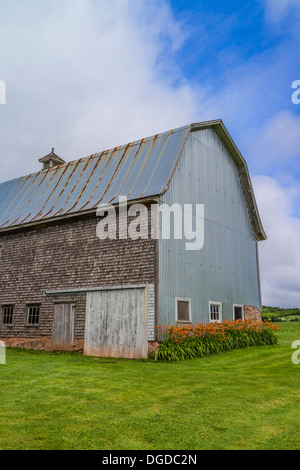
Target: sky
{"x": 87, "y": 75}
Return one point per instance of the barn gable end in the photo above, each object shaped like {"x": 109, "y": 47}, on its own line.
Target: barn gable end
{"x": 225, "y": 271}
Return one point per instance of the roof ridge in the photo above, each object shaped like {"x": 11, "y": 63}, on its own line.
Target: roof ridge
{"x": 95, "y": 155}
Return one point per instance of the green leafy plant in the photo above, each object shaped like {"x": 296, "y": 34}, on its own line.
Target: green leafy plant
{"x": 181, "y": 341}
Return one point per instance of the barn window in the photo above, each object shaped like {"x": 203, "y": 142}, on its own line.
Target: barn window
{"x": 215, "y": 312}
{"x": 183, "y": 309}
{"x": 7, "y": 314}
{"x": 238, "y": 312}
{"x": 33, "y": 314}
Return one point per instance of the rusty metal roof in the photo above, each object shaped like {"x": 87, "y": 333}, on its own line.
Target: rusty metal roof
{"x": 137, "y": 170}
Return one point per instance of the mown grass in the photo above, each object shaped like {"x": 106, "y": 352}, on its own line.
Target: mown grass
{"x": 241, "y": 399}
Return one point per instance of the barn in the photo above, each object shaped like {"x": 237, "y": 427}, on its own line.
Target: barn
{"x": 97, "y": 252}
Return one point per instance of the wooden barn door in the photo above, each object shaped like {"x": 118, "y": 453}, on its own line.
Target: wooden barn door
{"x": 116, "y": 323}
{"x": 63, "y": 326}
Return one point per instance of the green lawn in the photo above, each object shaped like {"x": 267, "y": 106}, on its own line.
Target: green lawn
{"x": 244, "y": 399}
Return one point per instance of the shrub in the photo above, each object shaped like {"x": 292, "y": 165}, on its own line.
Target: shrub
{"x": 186, "y": 341}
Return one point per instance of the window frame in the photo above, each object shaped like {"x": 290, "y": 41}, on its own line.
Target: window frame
{"x": 11, "y": 315}
{"x": 219, "y": 304}
{"x": 233, "y": 312}
{"x": 30, "y": 306}
{"x": 183, "y": 299}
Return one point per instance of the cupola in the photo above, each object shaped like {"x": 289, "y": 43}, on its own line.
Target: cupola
{"x": 51, "y": 160}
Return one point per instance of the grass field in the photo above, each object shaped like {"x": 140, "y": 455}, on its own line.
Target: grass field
{"x": 243, "y": 399}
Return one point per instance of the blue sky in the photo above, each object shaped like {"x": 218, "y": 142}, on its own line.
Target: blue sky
{"x": 86, "y": 75}
{"x": 254, "y": 48}
{"x": 244, "y": 47}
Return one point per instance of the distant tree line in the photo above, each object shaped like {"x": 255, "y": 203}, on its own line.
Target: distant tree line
{"x": 279, "y": 313}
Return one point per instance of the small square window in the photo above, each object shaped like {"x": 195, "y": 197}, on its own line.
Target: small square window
{"x": 238, "y": 313}
{"x": 7, "y": 314}
{"x": 215, "y": 312}
{"x": 33, "y": 315}
{"x": 183, "y": 310}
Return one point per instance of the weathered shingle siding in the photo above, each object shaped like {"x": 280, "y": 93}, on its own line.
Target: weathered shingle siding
{"x": 225, "y": 269}
{"x": 66, "y": 255}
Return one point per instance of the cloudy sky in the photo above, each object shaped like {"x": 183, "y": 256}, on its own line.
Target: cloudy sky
{"x": 86, "y": 75}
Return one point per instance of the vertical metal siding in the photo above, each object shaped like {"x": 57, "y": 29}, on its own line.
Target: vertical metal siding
{"x": 225, "y": 269}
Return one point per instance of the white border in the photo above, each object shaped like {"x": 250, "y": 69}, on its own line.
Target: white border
{"x": 238, "y": 305}
{"x": 211, "y": 302}
{"x": 176, "y": 310}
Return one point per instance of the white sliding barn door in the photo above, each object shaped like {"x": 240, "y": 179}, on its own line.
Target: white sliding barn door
{"x": 116, "y": 323}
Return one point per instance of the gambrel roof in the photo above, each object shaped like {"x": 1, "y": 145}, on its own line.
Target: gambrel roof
{"x": 139, "y": 170}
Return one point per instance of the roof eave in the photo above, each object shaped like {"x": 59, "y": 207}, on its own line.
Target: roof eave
{"x": 73, "y": 215}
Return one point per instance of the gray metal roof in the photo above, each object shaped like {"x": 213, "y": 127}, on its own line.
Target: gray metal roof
{"x": 138, "y": 170}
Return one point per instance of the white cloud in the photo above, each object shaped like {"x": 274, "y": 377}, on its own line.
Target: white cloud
{"x": 277, "y": 10}
{"x": 283, "y": 135}
{"x": 275, "y": 146}
{"x": 87, "y": 75}
{"x": 280, "y": 253}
